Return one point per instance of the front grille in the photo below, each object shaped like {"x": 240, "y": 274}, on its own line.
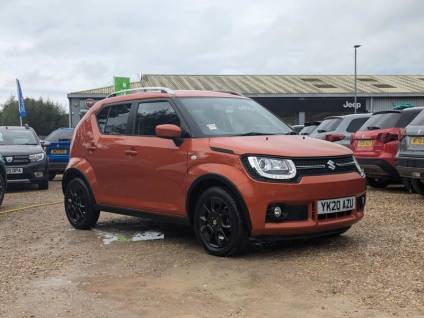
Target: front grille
{"x": 324, "y": 166}
{"x": 334, "y": 215}
{"x": 310, "y": 167}
{"x": 16, "y": 160}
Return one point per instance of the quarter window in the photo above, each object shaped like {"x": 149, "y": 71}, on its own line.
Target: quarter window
{"x": 117, "y": 119}
{"x": 151, "y": 114}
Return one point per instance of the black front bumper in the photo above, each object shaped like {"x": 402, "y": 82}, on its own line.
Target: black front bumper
{"x": 58, "y": 167}
{"x": 410, "y": 167}
{"x": 378, "y": 168}
{"x": 29, "y": 174}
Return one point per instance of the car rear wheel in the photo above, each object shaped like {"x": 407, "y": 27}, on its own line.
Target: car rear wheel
{"x": 52, "y": 175}
{"x": 79, "y": 205}
{"x": 378, "y": 182}
{"x": 218, "y": 223}
{"x": 418, "y": 186}
{"x": 2, "y": 188}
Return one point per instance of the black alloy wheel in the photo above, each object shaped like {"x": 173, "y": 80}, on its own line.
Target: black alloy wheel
{"x": 79, "y": 205}
{"x": 218, "y": 223}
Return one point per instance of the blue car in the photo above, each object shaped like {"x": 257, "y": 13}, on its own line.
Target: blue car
{"x": 56, "y": 146}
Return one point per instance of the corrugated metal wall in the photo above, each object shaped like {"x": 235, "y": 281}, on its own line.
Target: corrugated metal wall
{"x": 376, "y": 104}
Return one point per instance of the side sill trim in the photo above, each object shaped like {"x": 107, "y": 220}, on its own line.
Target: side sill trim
{"x": 147, "y": 215}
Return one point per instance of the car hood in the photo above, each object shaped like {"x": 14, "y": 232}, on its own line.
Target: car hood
{"x": 8, "y": 150}
{"x": 285, "y": 146}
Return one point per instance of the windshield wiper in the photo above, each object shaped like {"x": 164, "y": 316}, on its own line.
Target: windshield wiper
{"x": 321, "y": 130}
{"x": 290, "y": 133}
{"x": 373, "y": 128}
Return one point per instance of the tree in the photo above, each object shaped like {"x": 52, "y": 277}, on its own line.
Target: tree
{"x": 42, "y": 115}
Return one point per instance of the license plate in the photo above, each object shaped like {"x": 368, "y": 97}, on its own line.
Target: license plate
{"x": 365, "y": 143}
{"x": 417, "y": 141}
{"x": 14, "y": 170}
{"x": 336, "y": 205}
{"x": 59, "y": 152}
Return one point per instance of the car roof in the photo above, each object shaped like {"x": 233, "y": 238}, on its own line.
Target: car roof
{"x": 16, "y": 127}
{"x": 412, "y": 109}
{"x": 333, "y": 117}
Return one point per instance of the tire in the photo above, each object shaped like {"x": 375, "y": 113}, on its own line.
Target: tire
{"x": 218, "y": 223}
{"x": 79, "y": 205}
{"x": 52, "y": 174}
{"x": 2, "y": 188}
{"x": 43, "y": 185}
{"x": 418, "y": 186}
{"x": 378, "y": 183}
{"x": 408, "y": 185}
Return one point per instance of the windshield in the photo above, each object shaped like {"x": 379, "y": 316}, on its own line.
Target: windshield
{"x": 329, "y": 124}
{"x": 60, "y": 134}
{"x": 232, "y": 117}
{"x": 308, "y": 130}
{"x": 17, "y": 137}
{"x": 381, "y": 121}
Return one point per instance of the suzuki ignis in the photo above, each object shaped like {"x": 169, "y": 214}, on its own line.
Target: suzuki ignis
{"x": 216, "y": 161}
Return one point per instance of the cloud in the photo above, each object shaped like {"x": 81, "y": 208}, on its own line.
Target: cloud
{"x": 56, "y": 47}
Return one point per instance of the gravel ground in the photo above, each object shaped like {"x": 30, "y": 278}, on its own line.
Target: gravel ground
{"x": 47, "y": 269}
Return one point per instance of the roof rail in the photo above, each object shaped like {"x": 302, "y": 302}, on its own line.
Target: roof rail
{"x": 230, "y": 92}
{"x": 143, "y": 89}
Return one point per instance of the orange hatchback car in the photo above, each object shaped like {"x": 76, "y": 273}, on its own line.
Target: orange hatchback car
{"x": 217, "y": 161}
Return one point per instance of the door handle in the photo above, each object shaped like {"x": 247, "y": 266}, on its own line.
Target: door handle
{"x": 131, "y": 152}
{"x": 91, "y": 147}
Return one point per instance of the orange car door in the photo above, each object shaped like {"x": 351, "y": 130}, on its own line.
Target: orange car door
{"x": 159, "y": 166}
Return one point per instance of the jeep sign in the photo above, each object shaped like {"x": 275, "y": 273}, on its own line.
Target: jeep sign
{"x": 348, "y": 104}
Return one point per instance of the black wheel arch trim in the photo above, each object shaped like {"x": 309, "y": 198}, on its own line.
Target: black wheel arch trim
{"x": 80, "y": 175}
{"x": 230, "y": 185}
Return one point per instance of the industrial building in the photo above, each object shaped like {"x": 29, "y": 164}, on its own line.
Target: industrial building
{"x": 294, "y": 98}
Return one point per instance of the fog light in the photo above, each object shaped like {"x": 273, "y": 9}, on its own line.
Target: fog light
{"x": 277, "y": 212}
{"x": 38, "y": 174}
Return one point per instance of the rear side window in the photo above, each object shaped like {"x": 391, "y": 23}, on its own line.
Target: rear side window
{"x": 419, "y": 120}
{"x": 406, "y": 117}
{"x": 113, "y": 120}
{"x": 381, "y": 121}
{"x": 355, "y": 124}
{"x": 151, "y": 114}
{"x": 60, "y": 134}
{"x": 329, "y": 125}
{"x": 307, "y": 130}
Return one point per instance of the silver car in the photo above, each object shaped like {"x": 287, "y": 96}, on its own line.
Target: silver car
{"x": 339, "y": 129}
{"x": 410, "y": 158}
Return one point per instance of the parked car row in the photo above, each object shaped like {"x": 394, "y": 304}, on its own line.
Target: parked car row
{"x": 24, "y": 159}
{"x": 389, "y": 145}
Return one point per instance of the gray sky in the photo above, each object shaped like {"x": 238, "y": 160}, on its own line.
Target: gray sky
{"x": 56, "y": 47}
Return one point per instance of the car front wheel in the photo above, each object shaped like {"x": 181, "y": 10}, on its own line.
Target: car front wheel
{"x": 79, "y": 205}
{"x": 378, "y": 182}
{"x": 218, "y": 223}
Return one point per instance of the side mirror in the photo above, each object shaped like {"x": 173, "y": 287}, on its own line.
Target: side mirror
{"x": 168, "y": 131}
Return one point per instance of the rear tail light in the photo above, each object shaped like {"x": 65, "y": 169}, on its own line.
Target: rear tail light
{"x": 334, "y": 137}
{"x": 402, "y": 133}
{"x": 387, "y": 137}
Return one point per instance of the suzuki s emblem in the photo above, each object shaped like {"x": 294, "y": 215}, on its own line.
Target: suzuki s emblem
{"x": 331, "y": 165}
{"x": 9, "y": 159}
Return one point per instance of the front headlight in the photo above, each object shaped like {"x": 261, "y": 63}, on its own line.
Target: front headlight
{"x": 358, "y": 167}
{"x": 272, "y": 168}
{"x": 36, "y": 157}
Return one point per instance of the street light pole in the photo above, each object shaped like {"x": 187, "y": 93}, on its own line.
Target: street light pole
{"x": 356, "y": 89}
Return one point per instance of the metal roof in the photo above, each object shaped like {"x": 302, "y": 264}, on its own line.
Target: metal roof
{"x": 280, "y": 85}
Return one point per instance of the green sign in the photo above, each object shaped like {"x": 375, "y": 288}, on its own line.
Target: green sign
{"x": 121, "y": 83}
